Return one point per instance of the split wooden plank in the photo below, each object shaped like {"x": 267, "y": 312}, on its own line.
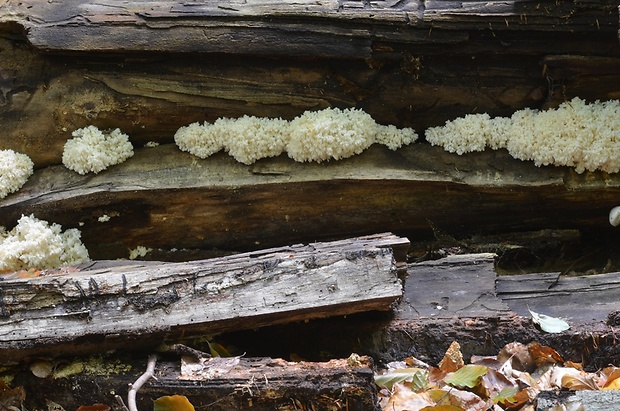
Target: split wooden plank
{"x": 578, "y": 299}
{"x": 229, "y": 293}
{"x": 458, "y": 285}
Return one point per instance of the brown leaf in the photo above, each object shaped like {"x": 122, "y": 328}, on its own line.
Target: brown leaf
{"x": 579, "y": 382}
{"x": 452, "y": 359}
{"x": 492, "y": 383}
{"x": 520, "y": 399}
{"x": 402, "y": 398}
{"x": 520, "y": 357}
{"x": 11, "y": 398}
{"x": 612, "y": 378}
{"x": 544, "y": 355}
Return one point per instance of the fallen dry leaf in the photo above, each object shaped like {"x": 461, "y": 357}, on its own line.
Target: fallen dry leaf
{"x": 452, "y": 359}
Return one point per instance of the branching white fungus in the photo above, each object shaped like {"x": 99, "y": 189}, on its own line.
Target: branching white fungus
{"x": 36, "y": 243}
{"x": 139, "y": 251}
{"x": 15, "y": 168}
{"x": 312, "y": 136}
{"x": 93, "y": 151}
{"x": 250, "y": 138}
{"x": 201, "y": 140}
{"x": 576, "y": 134}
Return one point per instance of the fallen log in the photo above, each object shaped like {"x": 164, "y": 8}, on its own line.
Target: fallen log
{"x": 115, "y": 303}
{"x": 408, "y": 63}
{"x": 255, "y": 384}
{"x": 169, "y": 201}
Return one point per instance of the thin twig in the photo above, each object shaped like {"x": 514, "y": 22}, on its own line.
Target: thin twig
{"x": 131, "y": 396}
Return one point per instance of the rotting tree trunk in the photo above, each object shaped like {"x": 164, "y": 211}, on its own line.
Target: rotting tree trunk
{"x": 210, "y": 296}
{"x": 151, "y": 67}
{"x": 257, "y": 384}
{"x": 183, "y": 207}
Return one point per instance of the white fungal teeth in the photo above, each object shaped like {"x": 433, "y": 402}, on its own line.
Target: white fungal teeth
{"x": 15, "y": 169}
{"x": 92, "y": 150}
{"x": 614, "y": 216}
{"x": 313, "y": 136}
{"x": 576, "y": 134}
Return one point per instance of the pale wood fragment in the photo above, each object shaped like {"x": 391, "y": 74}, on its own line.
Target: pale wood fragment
{"x": 230, "y": 293}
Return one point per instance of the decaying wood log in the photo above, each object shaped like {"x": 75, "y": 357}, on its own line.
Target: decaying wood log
{"x": 165, "y": 199}
{"x": 455, "y": 299}
{"x": 242, "y": 291}
{"x": 255, "y": 384}
{"x": 408, "y": 63}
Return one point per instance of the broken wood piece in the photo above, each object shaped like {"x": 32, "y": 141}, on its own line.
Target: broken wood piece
{"x": 224, "y": 294}
{"x": 256, "y": 384}
{"x": 578, "y": 299}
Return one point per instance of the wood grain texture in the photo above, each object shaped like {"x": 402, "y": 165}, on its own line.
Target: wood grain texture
{"x": 327, "y": 28}
{"x": 152, "y": 67}
{"x": 246, "y": 290}
{"x": 165, "y": 199}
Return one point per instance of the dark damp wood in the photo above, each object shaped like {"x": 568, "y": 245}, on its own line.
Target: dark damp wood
{"x": 257, "y": 384}
{"x": 173, "y": 202}
{"x": 152, "y": 67}
{"x": 250, "y": 290}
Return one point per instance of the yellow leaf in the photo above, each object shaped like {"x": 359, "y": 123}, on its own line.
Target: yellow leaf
{"x": 172, "y": 403}
{"x": 614, "y": 385}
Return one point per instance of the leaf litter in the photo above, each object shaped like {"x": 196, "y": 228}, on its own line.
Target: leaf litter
{"x": 510, "y": 381}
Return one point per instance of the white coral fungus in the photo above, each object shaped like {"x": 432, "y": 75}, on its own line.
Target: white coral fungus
{"x": 93, "y": 150}
{"x": 15, "y": 168}
{"x": 36, "y": 243}
{"x": 313, "y": 136}
{"x": 576, "y": 134}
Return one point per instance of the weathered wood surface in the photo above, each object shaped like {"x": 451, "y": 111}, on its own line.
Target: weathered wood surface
{"x": 453, "y": 299}
{"x": 165, "y": 199}
{"x": 257, "y": 384}
{"x": 230, "y": 293}
{"x": 309, "y": 28}
{"x": 406, "y": 63}
{"x": 584, "y": 298}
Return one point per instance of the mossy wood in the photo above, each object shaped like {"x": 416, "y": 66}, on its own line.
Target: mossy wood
{"x": 183, "y": 207}
{"x": 254, "y": 384}
{"x": 149, "y": 67}
{"x": 223, "y": 294}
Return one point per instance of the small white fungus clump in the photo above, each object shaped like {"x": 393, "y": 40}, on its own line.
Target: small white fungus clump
{"x": 93, "y": 150}
{"x": 576, "y": 134}
{"x": 139, "y": 251}
{"x": 313, "y": 136}
{"x": 36, "y": 243}
{"x": 15, "y": 168}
